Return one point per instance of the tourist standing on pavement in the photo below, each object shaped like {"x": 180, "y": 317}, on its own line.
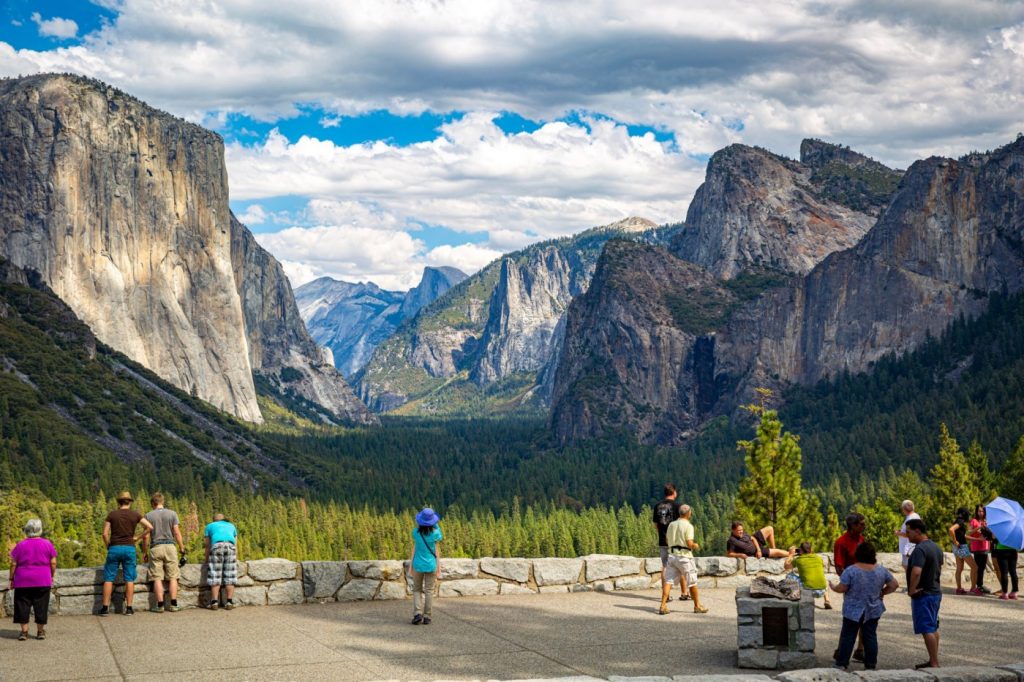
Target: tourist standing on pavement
{"x": 808, "y": 570}
{"x": 980, "y": 546}
{"x": 119, "y": 536}
{"x": 1006, "y": 558}
{"x": 924, "y": 590}
{"x": 665, "y": 512}
{"x": 681, "y": 567}
{"x": 424, "y": 564}
{"x": 221, "y": 546}
{"x": 843, "y": 552}
{"x": 863, "y": 584}
{"x": 962, "y": 551}
{"x": 33, "y": 563}
{"x": 906, "y": 546}
{"x": 160, "y": 548}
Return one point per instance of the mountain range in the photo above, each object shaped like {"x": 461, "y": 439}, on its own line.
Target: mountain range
{"x": 351, "y": 320}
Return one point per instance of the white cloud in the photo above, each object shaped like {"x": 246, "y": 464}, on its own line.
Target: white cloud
{"x": 55, "y": 27}
{"x": 254, "y": 215}
{"x": 466, "y": 257}
{"x": 474, "y": 177}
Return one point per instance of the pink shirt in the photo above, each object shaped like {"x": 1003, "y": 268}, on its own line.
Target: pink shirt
{"x": 33, "y": 557}
{"x": 978, "y": 545}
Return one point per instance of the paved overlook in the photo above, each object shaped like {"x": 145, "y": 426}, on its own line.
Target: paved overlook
{"x": 610, "y": 629}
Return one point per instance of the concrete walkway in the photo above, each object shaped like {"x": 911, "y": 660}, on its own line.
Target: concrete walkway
{"x": 510, "y": 637}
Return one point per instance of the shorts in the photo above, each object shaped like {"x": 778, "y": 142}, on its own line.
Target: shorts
{"x": 925, "y": 612}
{"x": 664, "y": 555}
{"x": 762, "y": 543}
{"x": 796, "y": 576}
{"x": 31, "y": 599}
{"x": 962, "y": 551}
{"x": 222, "y": 567}
{"x": 681, "y": 567}
{"x": 123, "y": 557}
{"x": 163, "y": 562}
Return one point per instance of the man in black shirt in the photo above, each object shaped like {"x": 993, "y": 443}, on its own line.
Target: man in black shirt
{"x": 926, "y": 595}
{"x": 665, "y": 512}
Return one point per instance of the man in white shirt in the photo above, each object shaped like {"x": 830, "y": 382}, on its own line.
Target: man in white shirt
{"x": 906, "y": 546}
{"x": 681, "y": 565}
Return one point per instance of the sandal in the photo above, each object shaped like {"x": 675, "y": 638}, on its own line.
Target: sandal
{"x": 23, "y": 636}
{"x": 700, "y": 609}
{"x": 663, "y": 611}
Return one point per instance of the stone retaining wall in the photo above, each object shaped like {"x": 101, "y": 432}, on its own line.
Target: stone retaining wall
{"x": 279, "y": 581}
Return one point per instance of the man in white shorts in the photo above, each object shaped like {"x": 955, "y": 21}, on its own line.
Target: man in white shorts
{"x": 681, "y": 565}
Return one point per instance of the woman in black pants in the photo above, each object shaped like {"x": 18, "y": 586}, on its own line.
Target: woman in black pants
{"x": 980, "y": 545}
{"x": 1006, "y": 558}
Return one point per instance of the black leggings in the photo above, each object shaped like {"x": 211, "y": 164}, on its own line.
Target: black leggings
{"x": 29, "y": 599}
{"x": 981, "y": 559}
{"x": 1007, "y": 560}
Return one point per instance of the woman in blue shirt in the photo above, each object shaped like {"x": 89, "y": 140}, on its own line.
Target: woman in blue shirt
{"x": 424, "y": 563}
{"x": 863, "y": 586}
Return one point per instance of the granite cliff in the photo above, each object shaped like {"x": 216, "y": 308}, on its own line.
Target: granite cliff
{"x": 952, "y": 233}
{"x": 484, "y": 345}
{"x": 123, "y": 210}
{"x": 758, "y": 209}
{"x": 353, "y": 319}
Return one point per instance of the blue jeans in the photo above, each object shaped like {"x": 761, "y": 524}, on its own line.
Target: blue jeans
{"x": 848, "y": 639}
{"x": 119, "y": 556}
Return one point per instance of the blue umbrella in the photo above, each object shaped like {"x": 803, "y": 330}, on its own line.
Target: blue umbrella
{"x": 1006, "y": 521}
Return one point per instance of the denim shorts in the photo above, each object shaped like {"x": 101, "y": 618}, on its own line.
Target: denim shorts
{"x": 120, "y": 556}
{"x": 925, "y": 612}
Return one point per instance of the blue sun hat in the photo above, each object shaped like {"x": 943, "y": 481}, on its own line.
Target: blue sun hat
{"x": 427, "y": 517}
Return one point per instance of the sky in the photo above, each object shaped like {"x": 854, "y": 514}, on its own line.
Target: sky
{"x": 367, "y": 139}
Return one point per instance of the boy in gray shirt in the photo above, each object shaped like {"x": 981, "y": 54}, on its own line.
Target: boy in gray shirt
{"x": 163, "y": 555}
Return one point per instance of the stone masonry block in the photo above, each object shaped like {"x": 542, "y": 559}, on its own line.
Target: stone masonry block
{"x": 792, "y": 660}
{"x": 763, "y": 659}
{"x": 640, "y": 582}
{"x": 749, "y": 636}
{"x": 652, "y": 564}
{"x": 717, "y": 566}
{"x": 469, "y": 588}
{"x": 321, "y": 579}
{"x": 80, "y": 590}
{"x": 971, "y": 673}
{"x": 378, "y": 570}
{"x": 651, "y": 678}
{"x": 510, "y": 569}
{"x": 1016, "y": 668}
{"x": 604, "y": 566}
{"x": 250, "y": 596}
{"x": 78, "y": 605}
{"x": 77, "y": 577}
{"x": 458, "y": 569}
{"x": 285, "y": 592}
{"x": 192, "y": 575}
{"x": 739, "y": 677}
{"x": 267, "y": 570}
{"x": 892, "y": 561}
{"x": 391, "y": 590}
{"x": 562, "y": 589}
{"x": 754, "y": 566}
{"x": 805, "y": 640}
{"x": 512, "y": 588}
{"x": 817, "y": 675}
{"x": 557, "y": 571}
{"x": 893, "y": 675}
{"x": 358, "y": 589}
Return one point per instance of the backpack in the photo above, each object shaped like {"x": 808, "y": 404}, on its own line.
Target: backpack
{"x": 665, "y": 512}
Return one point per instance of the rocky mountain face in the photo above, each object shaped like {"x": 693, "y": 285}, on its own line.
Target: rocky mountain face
{"x": 123, "y": 210}
{"x": 280, "y": 348}
{"x": 952, "y": 233}
{"x": 758, "y": 209}
{"x": 353, "y": 319}
{"x": 483, "y": 346}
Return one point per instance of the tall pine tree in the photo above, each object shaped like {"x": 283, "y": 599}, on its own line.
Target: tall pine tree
{"x": 952, "y": 483}
{"x": 772, "y": 492}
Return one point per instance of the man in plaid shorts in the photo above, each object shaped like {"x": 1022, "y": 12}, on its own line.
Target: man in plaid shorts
{"x": 221, "y": 557}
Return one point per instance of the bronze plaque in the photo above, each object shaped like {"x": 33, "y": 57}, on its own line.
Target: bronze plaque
{"x": 775, "y": 624}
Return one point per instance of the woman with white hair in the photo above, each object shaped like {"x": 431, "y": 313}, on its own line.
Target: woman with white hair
{"x": 33, "y": 563}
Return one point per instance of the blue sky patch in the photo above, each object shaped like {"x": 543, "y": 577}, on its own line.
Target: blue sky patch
{"x": 18, "y": 28}
{"x": 341, "y": 130}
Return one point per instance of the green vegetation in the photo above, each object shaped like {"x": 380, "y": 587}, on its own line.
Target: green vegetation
{"x": 862, "y": 188}
{"x": 702, "y": 309}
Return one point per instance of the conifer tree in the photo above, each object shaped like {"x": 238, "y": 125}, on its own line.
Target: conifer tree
{"x": 952, "y": 483}
{"x": 1012, "y": 474}
{"x": 985, "y": 478}
{"x": 772, "y": 492}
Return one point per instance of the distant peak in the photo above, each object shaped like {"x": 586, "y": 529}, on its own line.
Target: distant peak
{"x": 631, "y": 224}
{"x": 818, "y": 153}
